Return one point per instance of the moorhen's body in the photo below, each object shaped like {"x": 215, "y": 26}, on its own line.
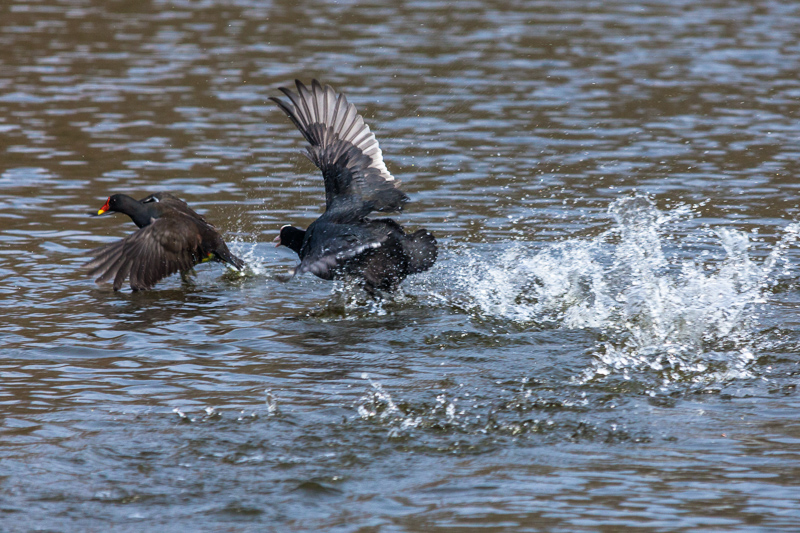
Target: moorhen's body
{"x": 172, "y": 238}
{"x": 344, "y": 242}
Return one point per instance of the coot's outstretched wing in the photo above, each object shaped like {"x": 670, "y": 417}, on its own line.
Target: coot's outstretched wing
{"x": 335, "y": 246}
{"x": 170, "y": 244}
{"x": 343, "y": 148}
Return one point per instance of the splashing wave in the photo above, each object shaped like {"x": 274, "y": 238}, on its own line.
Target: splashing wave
{"x": 657, "y": 304}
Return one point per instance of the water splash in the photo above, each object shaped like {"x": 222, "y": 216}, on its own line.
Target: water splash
{"x": 272, "y": 404}
{"x": 659, "y": 304}
{"x": 377, "y": 404}
{"x": 349, "y": 301}
{"x": 450, "y": 411}
{"x": 464, "y": 414}
{"x": 247, "y": 251}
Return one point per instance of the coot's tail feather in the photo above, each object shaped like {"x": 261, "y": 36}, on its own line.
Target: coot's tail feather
{"x": 421, "y": 249}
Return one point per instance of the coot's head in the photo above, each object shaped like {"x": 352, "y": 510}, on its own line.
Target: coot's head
{"x": 291, "y": 237}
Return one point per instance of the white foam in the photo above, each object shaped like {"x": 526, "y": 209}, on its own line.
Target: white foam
{"x": 660, "y": 304}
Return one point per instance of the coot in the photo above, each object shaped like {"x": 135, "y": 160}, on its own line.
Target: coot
{"x": 173, "y": 238}
{"x": 344, "y": 242}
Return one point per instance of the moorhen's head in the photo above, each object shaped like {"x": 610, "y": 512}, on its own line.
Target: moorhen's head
{"x": 112, "y": 204}
{"x": 141, "y": 212}
{"x": 291, "y": 237}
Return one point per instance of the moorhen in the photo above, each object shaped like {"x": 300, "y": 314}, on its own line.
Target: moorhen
{"x": 344, "y": 242}
{"x": 172, "y": 238}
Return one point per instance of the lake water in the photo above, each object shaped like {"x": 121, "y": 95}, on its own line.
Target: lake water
{"x": 610, "y": 340}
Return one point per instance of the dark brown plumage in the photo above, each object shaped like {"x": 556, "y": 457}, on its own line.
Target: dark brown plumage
{"x": 344, "y": 242}
{"x": 172, "y": 238}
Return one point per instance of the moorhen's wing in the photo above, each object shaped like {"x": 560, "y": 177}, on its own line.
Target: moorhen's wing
{"x": 168, "y": 245}
{"x": 170, "y": 201}
{"x": 343, "y": 148}
{"x": 212, "y": 240}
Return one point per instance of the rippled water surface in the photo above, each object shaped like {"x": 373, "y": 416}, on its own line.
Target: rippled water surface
{"x": 610, "y": 339}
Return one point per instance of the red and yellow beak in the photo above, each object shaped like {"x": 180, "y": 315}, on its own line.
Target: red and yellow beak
{"x": 105, "y": 207}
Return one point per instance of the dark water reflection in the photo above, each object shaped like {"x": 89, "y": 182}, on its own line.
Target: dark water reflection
{"x": 581, "y": 358}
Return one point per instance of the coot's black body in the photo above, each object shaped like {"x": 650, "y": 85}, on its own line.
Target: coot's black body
{"x": 344, "y": 242}
{"x": 172, "y": 238}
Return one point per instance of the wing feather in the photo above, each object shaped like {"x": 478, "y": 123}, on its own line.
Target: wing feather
{"x": 344, "y": 148}
{"x": 170, "y": 244}
{"x": 337, "y": 247}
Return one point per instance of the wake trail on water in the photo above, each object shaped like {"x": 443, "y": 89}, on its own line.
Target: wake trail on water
{"x": 683, "y": 303}
{"x": 684, "y": 306}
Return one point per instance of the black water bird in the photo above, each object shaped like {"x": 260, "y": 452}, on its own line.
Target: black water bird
{"x": 344, "y": 242}
{"x": 172, "y": 238}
